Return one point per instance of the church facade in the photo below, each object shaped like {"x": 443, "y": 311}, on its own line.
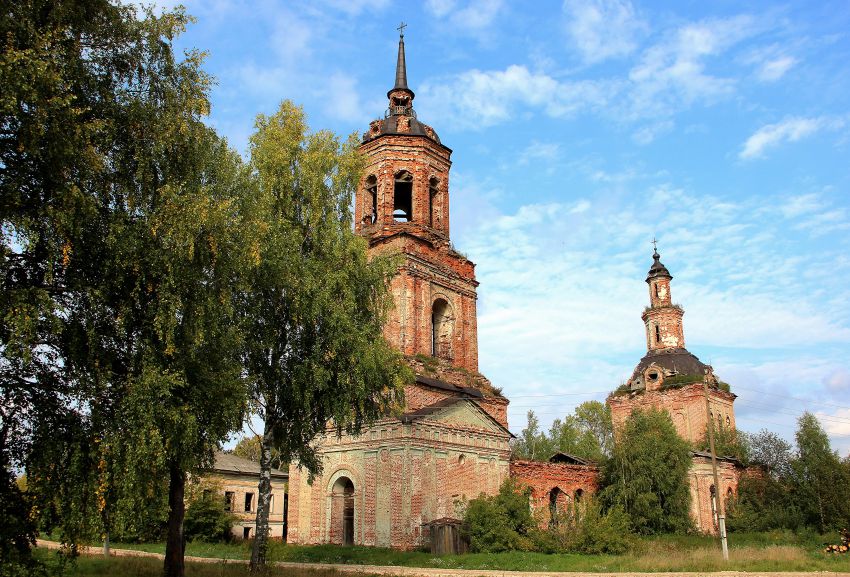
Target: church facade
{"x": 385, "y": 486}
{"x": 389, "y": 484}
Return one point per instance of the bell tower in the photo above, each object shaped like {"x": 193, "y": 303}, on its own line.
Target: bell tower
{"x": 402, "y": 206}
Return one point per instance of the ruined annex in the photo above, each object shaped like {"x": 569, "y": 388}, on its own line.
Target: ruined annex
{"x": 405, "y": 475}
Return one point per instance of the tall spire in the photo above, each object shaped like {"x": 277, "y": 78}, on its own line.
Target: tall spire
{"x": 401, "y": 64}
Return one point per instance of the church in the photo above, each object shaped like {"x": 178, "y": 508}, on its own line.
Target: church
{"x": 404, "y": 474}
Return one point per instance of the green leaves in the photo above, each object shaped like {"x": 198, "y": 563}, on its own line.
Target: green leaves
{"x": 647, "y": 474}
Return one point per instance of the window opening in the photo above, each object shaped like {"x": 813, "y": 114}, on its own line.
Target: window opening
{"x": 372, "y": 197}
{"x": 433, "y": 189}
{"x": 249, "y": 502}
{"x": 553, "y": 506}
{"x": 228, "y": 500}
{"x": 657, "y": 335}
{"x": 403, "y": 197}
{"x": 656, "y": 291}
{"x": 579, "y": 494}
{"x": 246, "y": 533}
{"x": 441, "y": 329}
{"x": 728, "y": 421}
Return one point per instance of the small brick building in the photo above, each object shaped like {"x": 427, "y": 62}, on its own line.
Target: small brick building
{"x": 385, "y": 486}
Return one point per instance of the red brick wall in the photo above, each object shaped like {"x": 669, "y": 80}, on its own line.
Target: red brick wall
{"x": 701, "y": 479}
{"x": 686, "y": 406}
{"x": 542, "y": 477}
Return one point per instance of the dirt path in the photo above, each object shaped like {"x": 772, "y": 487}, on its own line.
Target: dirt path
{"x": 432, "y": 572}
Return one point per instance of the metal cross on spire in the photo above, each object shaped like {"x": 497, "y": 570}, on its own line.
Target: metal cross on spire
{"x": 401, "y": 28}
{"x": 654, "y": 245}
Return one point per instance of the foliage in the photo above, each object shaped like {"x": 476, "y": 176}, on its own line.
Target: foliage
{"x": 584, "y": 528}
{"x": 119, "y": 370}
{"x": 587, "y": 433}
{"x": 679, "y": 380}
{"x": 206, "y": 519}
{"x": 314, "y": 305}
{"x": 499, "y": 522}
{"x": 647, "y": 474}
{"x": 763, "y": 503}
{"x": 728, "y": 442}
{"x": 821, "y": 481}
{"x": 251, "y": 448}
{"x": 772, "y": 452}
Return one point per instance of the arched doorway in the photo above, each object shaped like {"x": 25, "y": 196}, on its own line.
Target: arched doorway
{"x": 342, "y": 512}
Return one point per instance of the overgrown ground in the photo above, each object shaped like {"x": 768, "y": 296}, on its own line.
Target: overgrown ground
{"x": 776, "y": 551}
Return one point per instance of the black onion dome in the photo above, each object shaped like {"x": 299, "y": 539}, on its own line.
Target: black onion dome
{"x": 657, "y": 269}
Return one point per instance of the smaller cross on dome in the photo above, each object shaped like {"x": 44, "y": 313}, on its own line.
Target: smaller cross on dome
{"x": 401, "y": 28}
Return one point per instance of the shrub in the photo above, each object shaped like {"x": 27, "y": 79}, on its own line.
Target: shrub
{"x": 500, "y": 522}
{"x": 585, "y": 528}
{"x": 206, "y": 519}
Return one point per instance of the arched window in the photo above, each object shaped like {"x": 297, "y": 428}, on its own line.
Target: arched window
{"x": 342, "y": 513}
{"x": 728, "y": 421}
{"x": 433, "y": 190}
{"x": 554, "y": 495}
{"x": 442, "y": 327}
{"x": 657, "y": 335}
{"x": 403, "y": 197}
{"x": 371, "y": 212}
{"x": 578, "y": 495}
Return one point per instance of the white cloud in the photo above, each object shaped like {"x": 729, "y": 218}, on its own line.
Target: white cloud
{"x": 773, "y": 70}
{"x": 603, "y": 29}
{"x": 648, "y": 133}
{"x": 474, "y": 16}
{"x": 546, "y": 151}
{"x": 838, "y": 381}
{"x": 672, "y": 73}
{"x": 788, "y": 130}
{"x": 483, "y": 98}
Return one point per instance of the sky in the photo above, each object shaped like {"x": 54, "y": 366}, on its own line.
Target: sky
{"x": 580, "y": 131}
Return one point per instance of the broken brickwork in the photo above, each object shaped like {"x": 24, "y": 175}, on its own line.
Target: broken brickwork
{"x": 555, "y": 486}
{"x": 451, "y": 441}
{"x": 670, "y": 378}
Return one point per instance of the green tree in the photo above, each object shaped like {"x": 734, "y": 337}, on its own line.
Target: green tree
{"x": 769, "y": 450}
{"x": 251, "y": 448}
{"x": 532, "y": 443}
{"x": 728, "y": 442}
{"x": 647, "y": 474}
{"x": 120, "y": 367}
{"x": 821, "y": 483}
{"x": 315, "y": 304}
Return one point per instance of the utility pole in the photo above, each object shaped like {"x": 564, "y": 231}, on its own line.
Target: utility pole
{"x": 721, "y": 518}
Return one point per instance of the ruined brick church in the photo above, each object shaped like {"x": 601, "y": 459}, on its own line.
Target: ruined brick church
{"x": 405, "y": 473}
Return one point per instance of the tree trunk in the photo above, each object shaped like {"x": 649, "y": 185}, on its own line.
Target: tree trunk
{"x": 174, "y": 544}
{"x": 264, "y": 490}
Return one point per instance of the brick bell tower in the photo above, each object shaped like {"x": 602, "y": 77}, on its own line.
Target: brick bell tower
{"x": 402, "y": 205}
{"x": 669, "y": 376}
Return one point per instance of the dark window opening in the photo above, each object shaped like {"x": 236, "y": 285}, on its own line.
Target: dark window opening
{"x": 656, "y": 291}
{"x": 657, "y": 335}
{"x": 403, "y": 197}
{"x": 433, "y": 189}
{"x": 728, "y": 421}
{"x": 228, "y": 500}
{"x": 578, "y": 495}
{"x": 246, "y": 533}
{"x": 344, "y": 488}
{"x": 554, "y": 494}
{"x": 249, "y": 502}
{"x": 441, "y": 329}
{"x": 285, "y": 514}
{"x": 372, "y": 197}
{"x": 653, "y": 376}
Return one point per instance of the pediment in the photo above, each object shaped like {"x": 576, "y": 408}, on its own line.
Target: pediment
{"x": 460, "y": 412}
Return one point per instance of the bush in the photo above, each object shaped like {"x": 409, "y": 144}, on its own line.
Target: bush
{"x": 584, "y": 528}
{"x": 206, "y": 519}
{"x": 500, "y": 522}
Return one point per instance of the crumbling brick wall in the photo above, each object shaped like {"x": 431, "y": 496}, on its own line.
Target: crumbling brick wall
{"x": 571, "y": 481}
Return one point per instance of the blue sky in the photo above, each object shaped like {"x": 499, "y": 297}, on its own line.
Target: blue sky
{"x": 581, "y": 130}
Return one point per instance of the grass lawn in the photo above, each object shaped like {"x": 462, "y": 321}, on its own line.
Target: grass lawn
{"x": 777, "y": 551}
{"x": 95, "y": 566}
